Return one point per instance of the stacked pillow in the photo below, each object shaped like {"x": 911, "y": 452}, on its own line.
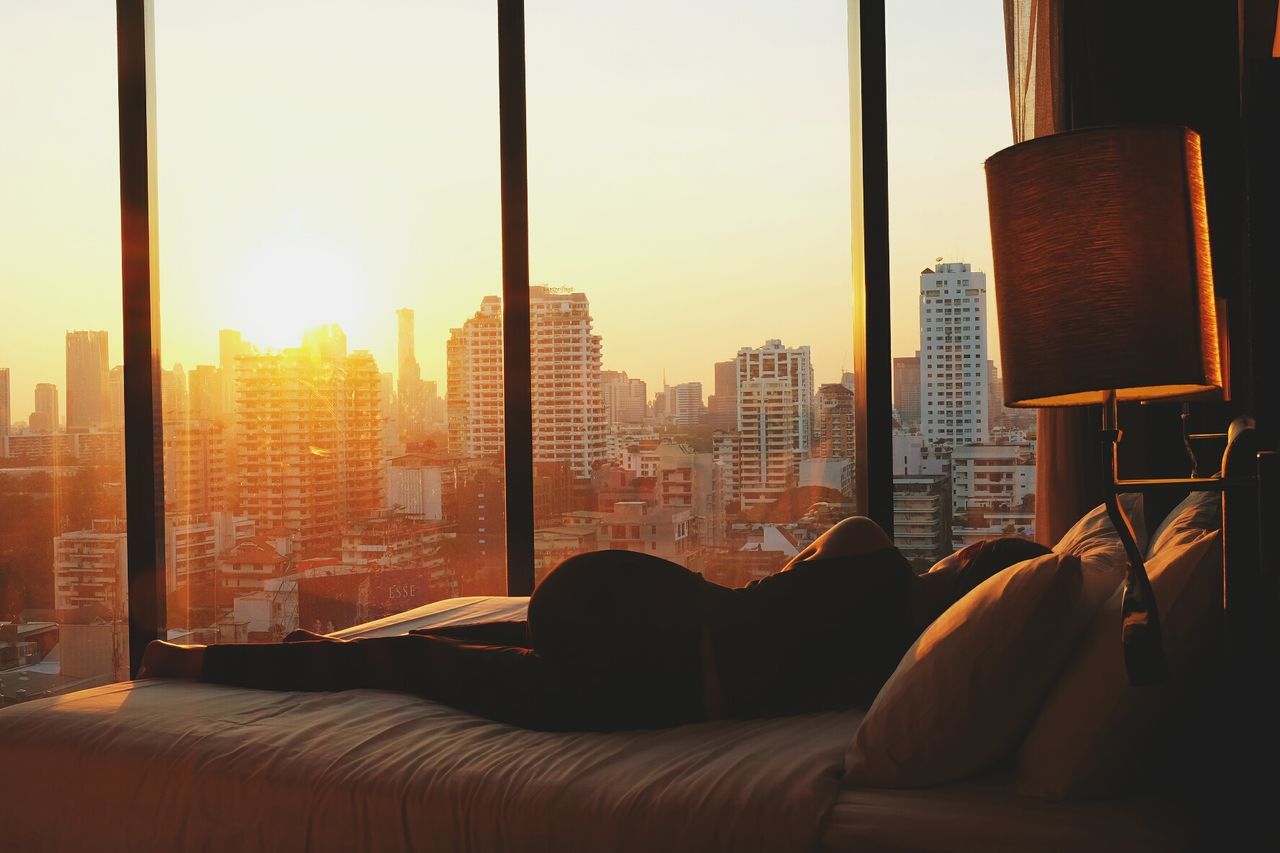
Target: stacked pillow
{"x": 965, "y": 693}
{"x": 969, "y": 690}
{"x": 1097, "y": 736}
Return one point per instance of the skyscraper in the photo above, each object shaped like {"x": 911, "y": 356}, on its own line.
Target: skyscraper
{"x": 88, "y": 398}
{"x": 195, "y": 466}
{"x": 835, "y": 430}
{"x": 474, "y": 394}
{"x": 409, "y": 389}
{"x": 230, "y": 346}
{"x": 309, "y": 439}
{"x": 45, "y": 416}
{"x": 906, "y": 390}
{"x": 6, "y": 403}
{"x": 775, "y": 418}
{"x": 722, "y": 406}
{"x": 173, "y": 393}
{"x": 205, "y": 398}
{"x": 953, "y": 355}
{"x": 568, "y": 403}
{"x": 685, "y": 403}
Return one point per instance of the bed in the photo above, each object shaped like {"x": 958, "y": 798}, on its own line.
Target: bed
{"x": 176, "y": 766}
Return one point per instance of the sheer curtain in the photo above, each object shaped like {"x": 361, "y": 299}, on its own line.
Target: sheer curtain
{"x": 1069, "y": 455}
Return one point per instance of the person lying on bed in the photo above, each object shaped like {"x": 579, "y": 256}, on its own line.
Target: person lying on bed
{"x": 623, "y": 640}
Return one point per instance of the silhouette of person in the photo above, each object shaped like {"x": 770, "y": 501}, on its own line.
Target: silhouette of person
{"x": 624, "y": 640}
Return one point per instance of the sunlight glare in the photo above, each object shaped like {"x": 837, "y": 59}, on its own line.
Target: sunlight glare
{"x": 295, "y": 283}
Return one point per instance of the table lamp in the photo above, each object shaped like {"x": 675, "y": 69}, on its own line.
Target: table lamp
{"x": 1104, "y": 293}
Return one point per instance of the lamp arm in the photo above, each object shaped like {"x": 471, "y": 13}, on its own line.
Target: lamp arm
{"x": 1144, "y": 658}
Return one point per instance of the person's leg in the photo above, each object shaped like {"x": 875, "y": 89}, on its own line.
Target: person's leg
{"x": 850, "y": 537}
{"x": 505, "y": 683}
{"x": 509, "y": 632}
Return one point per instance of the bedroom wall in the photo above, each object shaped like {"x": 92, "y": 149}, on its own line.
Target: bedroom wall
{"x": 1154, "y": 61}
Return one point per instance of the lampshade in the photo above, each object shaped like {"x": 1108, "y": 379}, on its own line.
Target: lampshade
{"x": 1102, "y": 273}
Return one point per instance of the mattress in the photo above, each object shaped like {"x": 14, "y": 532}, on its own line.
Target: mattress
{"x": 162, "y": 765}
{"x": 988, "y": 814}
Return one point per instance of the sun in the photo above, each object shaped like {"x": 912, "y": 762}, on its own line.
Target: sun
{"x": 293, "y": 283}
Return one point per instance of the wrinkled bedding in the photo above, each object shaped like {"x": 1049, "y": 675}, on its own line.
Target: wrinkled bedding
{"x": 176, "y": 766}
{"x": 191, "y": 767}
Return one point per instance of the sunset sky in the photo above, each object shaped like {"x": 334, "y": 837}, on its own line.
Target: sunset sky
{"x": 689, "y": 170}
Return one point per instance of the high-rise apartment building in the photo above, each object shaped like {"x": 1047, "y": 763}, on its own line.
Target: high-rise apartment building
{"x": 89, "y": 571}
{"x": 687, "y": 407}
{"x": 568, "y": 406}
{"x": 115, "y": 393}
{"x": 45, "y": 416}
{"x": 679, "y": 404}
{"x": 308, "y": 438}
{"x": 230, "y": 347}
{"x": 195, "y": 466}
{"x": 568, "y": 403}
{"x": 722, "y": 406}
{"x": 474, "y": 394}
{"x": 995, "y": 399}
{"x": 835, "y": 431}
{"x": 6, "y": 403}
{"x": 88, "y": 400}
{"x": 955, "y": 384}
{"x": 906, "y": 390}
{"x": 624, "y": 397}
{"x": 775, "y": 418}
{"x": 173, "y": 392}
{"x": 204, "y": 393}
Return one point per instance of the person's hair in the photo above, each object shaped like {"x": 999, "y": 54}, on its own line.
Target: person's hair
{"x": 992, "y": 555}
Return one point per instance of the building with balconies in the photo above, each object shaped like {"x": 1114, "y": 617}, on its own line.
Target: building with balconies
{"x": 955, "y": 382}
{"x": 308, "y": 428}
{"x": 569, "y": 412}
{"x": 775, "y": 419}
{"x": 922, "y": 516}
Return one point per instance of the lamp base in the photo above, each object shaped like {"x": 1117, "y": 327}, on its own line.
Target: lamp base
{"x": 1144, "y": 659}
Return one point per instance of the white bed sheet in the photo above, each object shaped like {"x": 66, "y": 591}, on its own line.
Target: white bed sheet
{"x": 437, "y": 614}
{"x": 988, "y": 814}
{"x": 178, "y": 766}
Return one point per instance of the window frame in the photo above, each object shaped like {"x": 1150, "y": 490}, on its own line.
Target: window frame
{"x": 144, "y": 465}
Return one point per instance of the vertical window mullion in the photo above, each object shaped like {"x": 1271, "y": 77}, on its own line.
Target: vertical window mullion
{"x": 144, "y": 468}
{"x": 873, "y": 400}
{"x": 517, "y": 370}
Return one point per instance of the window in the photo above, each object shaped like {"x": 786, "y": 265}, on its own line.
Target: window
{"x": 952, "y": 244}
{"x": 330, "y": 273}
{"x": 305, "y": 450}
{"x": 63, "y": 563}
{"x": 686, "y": 362}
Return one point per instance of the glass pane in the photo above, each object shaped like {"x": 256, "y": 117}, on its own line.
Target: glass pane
{"x": 963, "y": 464}
{"x": 329, "y": 212}
{"x": 63, "y": 611}
{"x": 690, "y": 245}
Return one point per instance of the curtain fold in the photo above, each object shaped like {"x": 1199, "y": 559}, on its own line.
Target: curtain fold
{"x": 1068, "y": 452}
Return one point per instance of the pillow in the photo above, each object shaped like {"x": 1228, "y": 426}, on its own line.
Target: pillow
{"x": 965, "y": 693}
{"x": 1094, "y": 538}
{"x": 1198, "y": 512}
{"x": 1096, "y": 734}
